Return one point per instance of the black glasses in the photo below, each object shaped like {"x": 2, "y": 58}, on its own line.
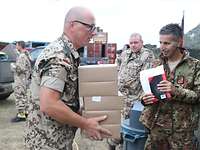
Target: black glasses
{"x": 91, "y": 27}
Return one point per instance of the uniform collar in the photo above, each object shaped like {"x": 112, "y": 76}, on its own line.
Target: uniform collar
{"x": 135, "y": 54}
{"x": 70, "y": 45}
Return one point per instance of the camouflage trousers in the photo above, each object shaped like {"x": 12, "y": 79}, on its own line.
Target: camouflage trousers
{"x": 41, "y": 141}
{"x": 44, "y": 133}
{"x": 161, "y": 139}
{"x": 21, "y": 97}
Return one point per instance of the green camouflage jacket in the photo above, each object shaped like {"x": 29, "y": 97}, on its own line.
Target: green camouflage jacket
{"x": 180, "y": 113}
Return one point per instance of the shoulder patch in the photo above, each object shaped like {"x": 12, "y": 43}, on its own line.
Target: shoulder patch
{"x": 180, "y": 79}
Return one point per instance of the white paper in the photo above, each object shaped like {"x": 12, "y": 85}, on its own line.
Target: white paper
{"x": 145, "y": 74}
{"x": 96, "y": 98}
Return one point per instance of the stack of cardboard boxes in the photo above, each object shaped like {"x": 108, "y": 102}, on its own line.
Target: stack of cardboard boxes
{"x": 98, "y": 88}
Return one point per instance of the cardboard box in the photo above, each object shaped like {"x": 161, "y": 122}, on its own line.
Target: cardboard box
{"x": 114, "y": 129}
{"x": 104, "y": 88}
{"x": 98, "y": 73}
{"x": 101, "y": 103}
{"x": 113, "y": 116}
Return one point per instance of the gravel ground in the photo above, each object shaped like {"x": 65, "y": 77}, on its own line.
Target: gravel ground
{"x": 11, "y": 134}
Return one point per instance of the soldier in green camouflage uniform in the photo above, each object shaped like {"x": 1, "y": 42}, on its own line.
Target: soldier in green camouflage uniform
{"x": 172, "y": 121}
{"x": 53, "y": 113}
{"x": 22, "y": 72}
{"x": 134, "y": 59}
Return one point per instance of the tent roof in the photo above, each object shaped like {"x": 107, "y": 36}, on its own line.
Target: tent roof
{"x": 11, "y": 51}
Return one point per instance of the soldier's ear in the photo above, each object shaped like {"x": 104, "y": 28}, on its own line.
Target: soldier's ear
{"x": 180, "y": 42}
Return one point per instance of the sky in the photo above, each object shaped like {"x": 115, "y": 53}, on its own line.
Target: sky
{"x": 42, "y": 20}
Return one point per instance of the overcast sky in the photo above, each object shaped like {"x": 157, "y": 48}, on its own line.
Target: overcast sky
{"x": 42, "y": 20}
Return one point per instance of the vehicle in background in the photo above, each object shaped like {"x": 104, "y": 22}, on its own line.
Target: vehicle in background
{"x": 34, "y": 53}
{"x": 93, "y": 53}
{"x": 35, "y": 44}
{"x": 6, "y": 76}
{"x": 3, "y": 56}
{"x": 8, "y": 55}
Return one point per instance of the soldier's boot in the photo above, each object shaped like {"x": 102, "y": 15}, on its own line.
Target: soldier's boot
{"x": 21, "y": 116}
{"x": 111, "y": 147}
{"x": 26, "y": 114}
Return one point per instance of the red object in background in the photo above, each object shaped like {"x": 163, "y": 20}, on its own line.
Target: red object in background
{"x": 111, "y": 61}
{"x": 94, "y": 50}
{"x": 100, "y": 62}
{"x": 111, "y": 50}
{"x": 97, "y": 51}
{"x": 112, "y": 55}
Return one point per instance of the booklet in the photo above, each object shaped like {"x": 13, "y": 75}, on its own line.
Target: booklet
{"x": 149, "y": 79}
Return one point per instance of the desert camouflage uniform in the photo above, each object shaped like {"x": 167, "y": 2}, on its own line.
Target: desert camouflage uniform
{"x": 22, "y": 72}
{"x": 56, "y": 68}
{"x": 129, "y": 76}
{"x": 129, "y": 80}
{"x": 118, "y": 59}
{"x": 172, "y": 122}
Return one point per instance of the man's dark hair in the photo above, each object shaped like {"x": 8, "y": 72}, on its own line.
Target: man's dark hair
{"x": 173, "y": 29}
{"x": 119, "y": 51}
{"x": 127, "y": 46}
{"x": 21, "y": 43}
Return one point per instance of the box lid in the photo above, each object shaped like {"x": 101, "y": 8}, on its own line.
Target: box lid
{"x": 102, "y": 72}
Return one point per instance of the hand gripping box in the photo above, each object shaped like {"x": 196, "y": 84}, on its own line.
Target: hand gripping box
{"x": 95, "y": 80}
{"x": 111, "y": 106}
{"x": 112, "y": 122}
{"x": 113, "y": 128}
{"x": 113, "y": 116}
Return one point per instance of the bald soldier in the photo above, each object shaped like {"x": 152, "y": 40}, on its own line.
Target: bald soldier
{"x": 53, "y": 118}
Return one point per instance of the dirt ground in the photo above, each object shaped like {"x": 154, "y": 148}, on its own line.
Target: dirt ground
{"x": 11, "y": 134}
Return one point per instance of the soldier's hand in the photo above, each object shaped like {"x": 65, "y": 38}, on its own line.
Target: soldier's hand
{"x": 148, "y": 99}
{"x": 94, "y": 130}
{"x": 166, "y": 86}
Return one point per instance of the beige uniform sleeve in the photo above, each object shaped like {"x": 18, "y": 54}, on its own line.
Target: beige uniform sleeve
{"x": 53, "y": 83}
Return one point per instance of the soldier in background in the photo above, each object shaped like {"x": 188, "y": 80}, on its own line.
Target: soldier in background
{"x": 118, "y": 60}
{"x": 22, "y": 72}
{"x": 54, "y": 108}
{"x": 126, "y": 46}
{"x": 134, "y": 59}
{"x": 172, "y": 121}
